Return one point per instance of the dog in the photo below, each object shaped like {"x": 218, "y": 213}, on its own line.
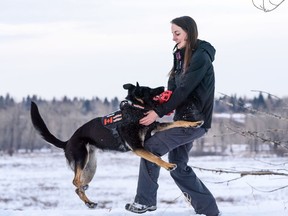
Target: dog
{"x": 119, "y": 131}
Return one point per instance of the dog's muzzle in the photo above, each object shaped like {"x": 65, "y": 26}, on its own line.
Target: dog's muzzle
{"x": 129, "y": 103}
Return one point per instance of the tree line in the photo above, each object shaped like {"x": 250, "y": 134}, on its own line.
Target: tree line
{"x": 256, "y": 125}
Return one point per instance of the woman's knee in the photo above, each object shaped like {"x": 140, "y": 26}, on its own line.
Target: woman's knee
{"x": 182, "y": 170}
{"x": 155, "y": 146}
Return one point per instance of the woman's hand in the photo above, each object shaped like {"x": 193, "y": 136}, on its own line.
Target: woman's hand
{"x": 150, "y": 117}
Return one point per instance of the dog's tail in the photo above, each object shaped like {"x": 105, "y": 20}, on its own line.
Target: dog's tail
{"x": 41, "y": 127}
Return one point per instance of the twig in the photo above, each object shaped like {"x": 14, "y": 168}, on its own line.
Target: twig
{"x": 252, "y": 110}
{"x": 255, "y": 134}
{"x": 263, "y": 8}
{"x": 268, "y": 93}
{"x": 272, "y": 164}
{"x": 243, "y": 173}
{"x": 227, "y": 181}
{"x": 268, "y": 191}
{"x": 260, "y": 91}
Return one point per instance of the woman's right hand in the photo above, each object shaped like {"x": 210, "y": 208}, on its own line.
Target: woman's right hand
{"x": 150, "y": 117}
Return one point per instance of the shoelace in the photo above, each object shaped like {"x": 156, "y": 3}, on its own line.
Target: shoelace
{"x": 137, "y": 205}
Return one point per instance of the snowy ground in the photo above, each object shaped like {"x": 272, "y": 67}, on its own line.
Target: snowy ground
{"x": 39, "y": 184}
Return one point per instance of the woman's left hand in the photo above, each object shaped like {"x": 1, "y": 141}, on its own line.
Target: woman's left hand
{"x": 150, "y": 117}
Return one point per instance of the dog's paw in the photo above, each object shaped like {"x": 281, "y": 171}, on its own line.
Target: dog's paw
{"x": 171, "y": 168}
{"x": 198, "y": 124}
{"x": 91, "y": 205}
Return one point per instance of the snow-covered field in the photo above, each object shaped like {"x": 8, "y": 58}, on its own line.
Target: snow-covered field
{"x": 40, "y": 184}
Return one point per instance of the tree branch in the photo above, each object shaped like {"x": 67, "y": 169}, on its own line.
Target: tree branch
{"x": 264, "y": 8}
{"x": 255, "y": 134}
{"x": 268, "y": 191}
{"x": 250, "y": 109}
{"x": 243, "y": 173}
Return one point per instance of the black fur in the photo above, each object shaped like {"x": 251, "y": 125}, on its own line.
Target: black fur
{"x": 80, "y": 148}
{"x": 94, "y": 133}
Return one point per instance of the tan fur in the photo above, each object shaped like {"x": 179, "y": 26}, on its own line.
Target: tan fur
{"x": 175, "y": 124}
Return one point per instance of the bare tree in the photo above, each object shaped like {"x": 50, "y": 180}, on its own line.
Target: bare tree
{"x": 267, "y": 5}
{"x": 262, "y": 126}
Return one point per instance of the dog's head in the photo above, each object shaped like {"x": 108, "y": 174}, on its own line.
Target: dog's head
{"x": 142, "y": 95}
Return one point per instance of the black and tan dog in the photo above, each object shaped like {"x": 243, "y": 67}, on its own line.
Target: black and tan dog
{"x": 126, "y": 134}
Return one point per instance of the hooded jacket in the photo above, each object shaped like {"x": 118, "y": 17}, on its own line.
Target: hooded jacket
{"x": 193, "y": 91}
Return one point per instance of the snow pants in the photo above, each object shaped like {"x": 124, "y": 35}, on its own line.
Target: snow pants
{"x": 178, "y": 142}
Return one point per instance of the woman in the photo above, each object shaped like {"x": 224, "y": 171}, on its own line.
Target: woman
{"x": 192, "y": 82}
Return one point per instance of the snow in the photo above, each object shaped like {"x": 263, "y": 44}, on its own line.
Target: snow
{"x": 40, "y": 184}
{"x": 239, "y": 117}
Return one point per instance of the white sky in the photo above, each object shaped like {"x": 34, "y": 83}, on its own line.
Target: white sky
{"x": 91, "y": 48}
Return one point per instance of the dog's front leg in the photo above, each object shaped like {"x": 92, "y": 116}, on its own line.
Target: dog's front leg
{"x": 186, "y": 124}
{"x": 81, "y": 186}
{"x": 155, "y": 159}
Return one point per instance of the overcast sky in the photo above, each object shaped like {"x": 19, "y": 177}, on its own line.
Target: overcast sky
{"x": 88, "y": 48}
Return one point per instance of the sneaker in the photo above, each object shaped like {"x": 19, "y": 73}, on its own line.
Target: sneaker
{"x": 138, "y": 208}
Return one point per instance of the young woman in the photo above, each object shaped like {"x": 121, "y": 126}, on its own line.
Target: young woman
{"x": 192, "y": 82}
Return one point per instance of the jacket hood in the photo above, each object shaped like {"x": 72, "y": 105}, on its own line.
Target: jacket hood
{"x": 206, "y": 46}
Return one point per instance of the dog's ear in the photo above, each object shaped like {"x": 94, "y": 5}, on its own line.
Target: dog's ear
{"x": 157, "y": 91}
{"x": 137, "y": 84}
{"x": 128, "y": 86}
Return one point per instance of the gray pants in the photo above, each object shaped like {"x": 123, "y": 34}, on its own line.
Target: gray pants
{"x": 178, "y": 142}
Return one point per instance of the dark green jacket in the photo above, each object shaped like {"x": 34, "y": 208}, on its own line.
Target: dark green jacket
{"x": 193, "y": 91}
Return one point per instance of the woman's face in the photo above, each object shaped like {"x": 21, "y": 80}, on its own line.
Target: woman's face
{"x": 179, "y": 36}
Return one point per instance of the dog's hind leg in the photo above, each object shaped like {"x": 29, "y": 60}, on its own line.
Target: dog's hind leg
{"x": 84, "y": 176}
{"x": 155, "y": 159}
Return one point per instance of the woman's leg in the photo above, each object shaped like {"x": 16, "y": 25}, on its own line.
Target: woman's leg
{"x": 192, "y": 187}
{"x": 160, "y": 144}
{"x": 147, "y": 183}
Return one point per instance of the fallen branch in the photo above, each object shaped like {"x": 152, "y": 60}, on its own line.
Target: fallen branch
{"x": 243, "y": 173}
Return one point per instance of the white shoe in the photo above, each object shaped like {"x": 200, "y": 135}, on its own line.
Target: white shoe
{"x": 138, "y": 208}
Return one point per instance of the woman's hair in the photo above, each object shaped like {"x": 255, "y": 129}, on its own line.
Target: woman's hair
{"x": 190, "y": 27}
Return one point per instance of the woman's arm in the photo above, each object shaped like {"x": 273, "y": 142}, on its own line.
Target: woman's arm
{"x": 190, "y": 80}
